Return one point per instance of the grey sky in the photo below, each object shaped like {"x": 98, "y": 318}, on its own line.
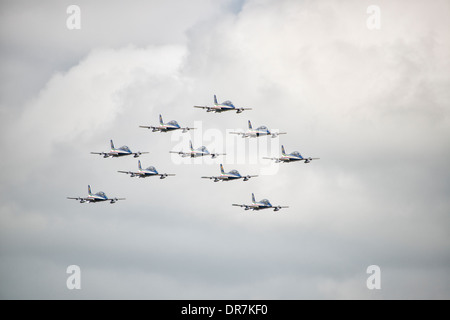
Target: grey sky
{"x": 372, "y": 104}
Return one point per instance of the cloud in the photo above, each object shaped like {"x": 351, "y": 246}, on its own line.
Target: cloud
{"x": 87, "y": 99}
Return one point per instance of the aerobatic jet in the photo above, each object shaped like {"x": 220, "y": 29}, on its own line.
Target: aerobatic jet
{"x": 118, "y": 152}
{"x": 147, "y": 172}
{"x": 263, "y": 204}
{"x": 260, "y": 131}
{"x": 221, "y": 107}
{"x": 165, "y": 127}
{"x": 96, "y": 197}
{"x": 199, "y": 152}
{"x": 228, "y": 176}
{"x": 291, "y": 157}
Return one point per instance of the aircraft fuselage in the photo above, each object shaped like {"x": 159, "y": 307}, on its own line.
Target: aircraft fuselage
{"x": 166, "y": 128}
{"x": 227, "y": 177}
{"x": 118, "y": 153}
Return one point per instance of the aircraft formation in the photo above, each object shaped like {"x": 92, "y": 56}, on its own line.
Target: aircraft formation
{"x": 194, "y": 153}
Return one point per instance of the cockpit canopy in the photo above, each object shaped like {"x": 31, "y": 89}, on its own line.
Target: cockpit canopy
{"x": 262, "y": 128}
{"x": 151, "y": 168}
{"x": 173, "y": 123}
{"x": 203, "y": 149}
{"x": 235, "y": 172}
{"x": 296, "y": 154}
{"x": 265, "y": 202}
{"x": 228, "y": 103}
{"x": 125, "y": 148}
{"x": 101, "y": 194}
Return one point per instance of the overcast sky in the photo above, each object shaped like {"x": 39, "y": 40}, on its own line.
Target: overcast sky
{"x": 374, "y": 105}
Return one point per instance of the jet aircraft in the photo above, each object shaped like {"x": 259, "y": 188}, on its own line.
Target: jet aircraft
{"x": 221, "y": 107}
{"x": 232, "y": 175}
{"x": 199, "y": 152}
{"x": 148, "y": 172}
{"x": 96, "y": 197}
{"x": 165, "y": 127}
{"x": 291, "y": 157}
{"x": 260, "y": 131}
{"x": 118, "y": 152}
{"x": 263, "y": 204}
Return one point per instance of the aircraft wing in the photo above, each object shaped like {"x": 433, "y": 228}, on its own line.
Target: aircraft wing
{"x": 240, "y": 205}
{"x": 216, "y": 179}
{"x": 129, "y": 172}
{"x": 242, "y": 109}
{"x": 81, "y": 199}
{"x": 244, "y": 134}
{"x": 277, "y": 208}
{"x": 101, "y": 153}
{"x": 246, "y": 178}
{"x": 272, "y": 158}
{"x": 137, "y": 154}
{"x": 150, "y": 127}
{"x": 165, "y": 175}
{"x": 186, "y": 129}
{"x": 307, "y": 160}
{"x": 201, "y": 107}
{"x": 276, "y": 134}
{"x": 181, "y": 153}
{"x": 214, "y": 155}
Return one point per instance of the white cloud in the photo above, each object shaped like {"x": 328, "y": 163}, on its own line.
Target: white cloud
{"x": 87, "y": 99}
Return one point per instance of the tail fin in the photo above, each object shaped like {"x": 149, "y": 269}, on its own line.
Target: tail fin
{"x": 89, "y": 190}
{"x": 112, "y": 144}
{"x": 282, "y": 151}
{"x": 221, "y": 169}
{"x": 249, "y": 125}
{"x": 215, "y": 99}
{"x": 139, "y": 165}
{"x": 190, "y": 145}
{"x": 253, "y": 198}
{"x": 160, "y": 120}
